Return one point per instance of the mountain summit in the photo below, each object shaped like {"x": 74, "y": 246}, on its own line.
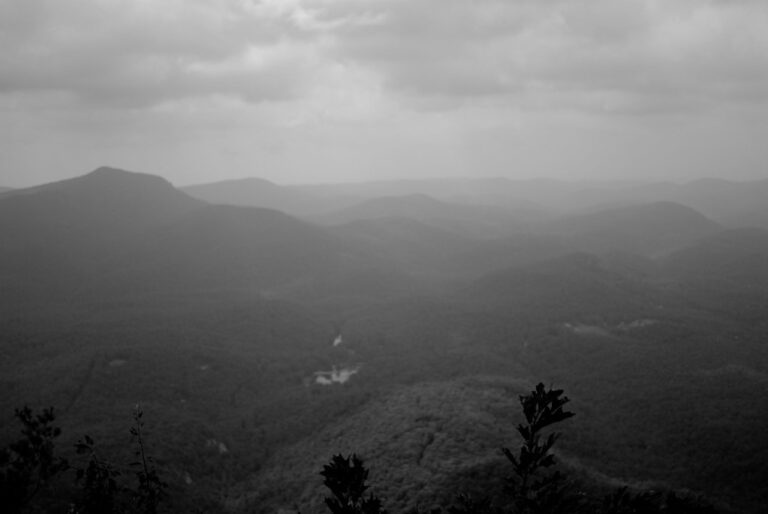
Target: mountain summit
{"x": 106, "y": 198}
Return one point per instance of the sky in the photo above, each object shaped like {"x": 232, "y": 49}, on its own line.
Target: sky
{"x": 308, "y": 91}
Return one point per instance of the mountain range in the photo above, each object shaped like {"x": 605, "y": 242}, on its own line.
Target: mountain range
{"x": 730, "y": 203}
{"x": 443, "y": 300}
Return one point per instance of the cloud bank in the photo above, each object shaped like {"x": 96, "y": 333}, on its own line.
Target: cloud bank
{"x": 346, "y": 82}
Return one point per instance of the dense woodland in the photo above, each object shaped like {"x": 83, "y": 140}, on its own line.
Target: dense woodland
{"x": 32, "y": 476}
{"x": 445, "y": 301}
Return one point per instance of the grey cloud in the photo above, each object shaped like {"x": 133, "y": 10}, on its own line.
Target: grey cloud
{"x": 433, "y": 47}
{"x": 136, "y": 54}
{"x": 138, "y": 81}
{"x": 681, "y": 55}
{"x": 651, "y": 53}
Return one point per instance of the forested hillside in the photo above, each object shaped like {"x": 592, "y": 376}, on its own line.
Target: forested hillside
{"x": 259, "y": 345}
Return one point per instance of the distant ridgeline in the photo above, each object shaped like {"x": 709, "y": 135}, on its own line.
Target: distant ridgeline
{"x": 33, "y": 477}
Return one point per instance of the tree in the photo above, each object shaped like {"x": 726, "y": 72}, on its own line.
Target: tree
{"x": 29, "y": 464}
{"x": 533, "y": 489}
{"x": 346, "y": 477}
{"x": 98, "y": 481}
{"x": 150, "y": 490}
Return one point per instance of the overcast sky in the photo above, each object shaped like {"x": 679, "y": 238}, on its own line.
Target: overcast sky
{"x": 330, "y": 90}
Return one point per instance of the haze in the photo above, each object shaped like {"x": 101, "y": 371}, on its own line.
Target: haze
{"x": 252, "y": 250}
{"x": 310, "y": 91}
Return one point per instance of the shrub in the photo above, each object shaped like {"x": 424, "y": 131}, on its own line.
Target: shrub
{"x": 29, "y": 464}
{"x": 346, "y": 477}
{"x": 533, "y": 489}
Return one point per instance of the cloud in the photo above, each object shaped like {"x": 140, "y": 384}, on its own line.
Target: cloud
{"x": 361, "y": 88}
{"x": 639, "y": 54}
{"x": 139, "y": 53}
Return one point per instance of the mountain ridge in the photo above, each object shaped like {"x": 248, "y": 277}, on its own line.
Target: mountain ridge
{"x": 259, "y": 192}
{"x": 648, "y": 229}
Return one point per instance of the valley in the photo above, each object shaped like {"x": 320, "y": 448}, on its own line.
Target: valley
{"x": 399, "y": 320}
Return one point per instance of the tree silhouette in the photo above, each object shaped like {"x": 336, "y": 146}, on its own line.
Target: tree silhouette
{"x": 29, "y": 464}
{"x": 346, "y": 477}
{"x": 150, "y": 490}
{"x": 98, "y": 481}
{"x": 533, "y": 489}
